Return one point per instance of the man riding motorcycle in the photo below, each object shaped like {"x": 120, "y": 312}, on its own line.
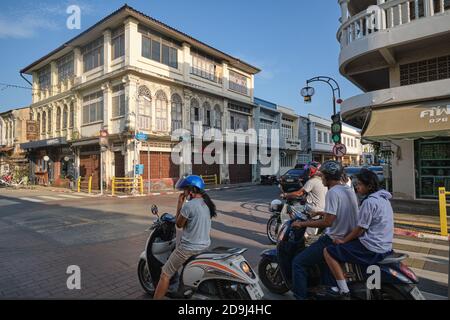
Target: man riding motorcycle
{"x": 315, "y": 193}
{"x": 339, "y": 217}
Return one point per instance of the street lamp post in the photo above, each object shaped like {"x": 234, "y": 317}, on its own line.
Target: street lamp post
{"x": 307, "y": 92}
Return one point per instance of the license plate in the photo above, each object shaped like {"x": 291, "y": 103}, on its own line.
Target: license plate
{"x": 416, "y": 294}
{"x": 289, "y": 180}
{"x": 255, "y": 291}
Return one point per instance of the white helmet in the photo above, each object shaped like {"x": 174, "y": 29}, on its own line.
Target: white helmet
{"x": 276, "y": 206}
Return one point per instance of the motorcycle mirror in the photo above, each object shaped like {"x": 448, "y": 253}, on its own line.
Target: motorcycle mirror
{"x": 154, "y": 210}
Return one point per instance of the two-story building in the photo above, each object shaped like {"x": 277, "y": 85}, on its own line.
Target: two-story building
{"x": 290, "y": 145}
{"x": 398, "y": 54}
{"x": 13, "y": 132}
{"x": 269, "y": 119}
{"x": 317, "y": 144}
{"x": 131, "y": 73}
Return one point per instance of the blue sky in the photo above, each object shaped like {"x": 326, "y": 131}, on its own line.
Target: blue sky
{"x": 290, "y": 40}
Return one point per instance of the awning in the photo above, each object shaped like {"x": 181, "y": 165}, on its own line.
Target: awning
{"x": 44, "y": 143}
{"x": 85, "y": 142}
{"x": 409, "y": 122}
{"x": 6, "y": 149}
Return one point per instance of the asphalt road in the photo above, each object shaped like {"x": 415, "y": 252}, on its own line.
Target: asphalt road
{"x": 43, "y": 232}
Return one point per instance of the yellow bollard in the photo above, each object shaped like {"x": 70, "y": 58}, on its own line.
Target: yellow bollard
{"x": 142, "y": 184}
{"x": 79, "y": 184}
{"x": 443, "y": 211}
{"x": 90, "y": 185}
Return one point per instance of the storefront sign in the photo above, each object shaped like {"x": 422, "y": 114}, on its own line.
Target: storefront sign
{"x": 436, "y": 114}
{"x": 32, "y": 130}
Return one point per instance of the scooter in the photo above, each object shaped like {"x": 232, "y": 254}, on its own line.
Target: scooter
{"x": 279, "y": 213}
{"x": 397, "y": 281}
{"x": 222, "y": 273}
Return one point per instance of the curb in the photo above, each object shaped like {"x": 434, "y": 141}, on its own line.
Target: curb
{"x": 163, "y": 193}
{"x": 419, "y": 235}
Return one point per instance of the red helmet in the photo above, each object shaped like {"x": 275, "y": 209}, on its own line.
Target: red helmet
{"x": 313, "y": 168}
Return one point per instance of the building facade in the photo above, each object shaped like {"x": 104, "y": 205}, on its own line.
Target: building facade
{"x": 289, "y": 139}
{"x": 398, "y": 54}
{"x": 130, "y": 73}
{"x": 269, "y": 119}
{"x": 318, "y": 146}
{"x": 13, "y": 132}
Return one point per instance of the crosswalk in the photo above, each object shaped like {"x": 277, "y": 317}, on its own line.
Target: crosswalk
{"x": 429, "y": 259}
{"x": 43, "y": 199}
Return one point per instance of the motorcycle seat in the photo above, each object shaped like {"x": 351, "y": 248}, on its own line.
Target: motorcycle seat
{"x": 218, "y": 253}
{"x": 394, "y": 258}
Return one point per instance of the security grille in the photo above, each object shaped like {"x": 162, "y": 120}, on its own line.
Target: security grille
{"x": 425, "y": 71}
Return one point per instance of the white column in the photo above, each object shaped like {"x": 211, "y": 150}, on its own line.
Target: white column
{"x": 107, "y": 51}
{"x": 131, "y": 37}
{"x": 344, "y": 10}
{"x": 78, "y": 62}
{"x": 226, "y": 77}
{"x": 187, "y": 61}
{"x": 107, "y": 105}
{"x": 54, "y": 78}
{"x": 35, "y": 94}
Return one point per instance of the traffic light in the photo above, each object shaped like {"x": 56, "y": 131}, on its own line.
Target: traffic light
{"x": 336, "y": 128}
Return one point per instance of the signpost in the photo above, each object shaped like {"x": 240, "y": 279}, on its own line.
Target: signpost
{"x": 103, "y": 145}
{"x": 340, "y": 150}
{"x": 140, "y": 136}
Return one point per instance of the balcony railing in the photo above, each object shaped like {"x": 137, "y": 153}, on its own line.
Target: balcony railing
{"x": 388, "y": 15}
{"x": 206, "y": 74}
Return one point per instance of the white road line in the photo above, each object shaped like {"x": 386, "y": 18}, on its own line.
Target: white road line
{"x": 49, "y": 198}
{"x": 425, "y": 257}
{"x": 31, "y": 200}
{"x": 431, "y": 275}
{"x": 4, "y": 203}
{"x": 68, "y": 196}
{"x": 421, "y": 244}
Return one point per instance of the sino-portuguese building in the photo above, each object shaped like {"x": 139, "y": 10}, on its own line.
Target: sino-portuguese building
{"x": 131, "y": 73}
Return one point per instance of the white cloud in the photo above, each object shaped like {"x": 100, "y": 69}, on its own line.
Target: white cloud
{"x": 27, "y": 23}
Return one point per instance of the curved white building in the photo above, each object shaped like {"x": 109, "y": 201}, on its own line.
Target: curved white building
{"x": 398, "y": 53}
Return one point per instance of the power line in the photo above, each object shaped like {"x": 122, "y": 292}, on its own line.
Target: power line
{"x": 10, "y": 85}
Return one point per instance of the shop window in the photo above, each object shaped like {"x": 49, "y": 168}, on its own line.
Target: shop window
{"x": 432, "y": 166}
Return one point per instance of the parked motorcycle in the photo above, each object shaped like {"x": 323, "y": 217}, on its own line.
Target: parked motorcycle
{"x": 398, "y": 282}
{"x": 222, "y": 273}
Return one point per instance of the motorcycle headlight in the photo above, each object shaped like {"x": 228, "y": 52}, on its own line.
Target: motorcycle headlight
{"x": 247, "y": 269}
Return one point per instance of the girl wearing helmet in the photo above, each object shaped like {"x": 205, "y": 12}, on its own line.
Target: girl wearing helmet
{"x": 195, "y": 210}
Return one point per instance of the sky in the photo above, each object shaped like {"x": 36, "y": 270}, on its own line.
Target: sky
{"x": 289, "y": 40}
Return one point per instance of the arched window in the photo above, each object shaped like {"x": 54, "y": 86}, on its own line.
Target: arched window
{"x": 207, "y": 116}
{"x": 58, "y": 118}
{"x": 217, "y": 117}
{"x": 50, "y": 120}
{"x": 177, "y": 112}
{"x": 44, "y": 122}
{"x": 195, "y": 113}
{"x": 161, "y": 110}
{"x": 71, "y": 116}
{"x": 145, "y": 108}
{"x": 65, "y": 117}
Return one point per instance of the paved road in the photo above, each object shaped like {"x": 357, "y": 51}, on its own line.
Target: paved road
{"x": 42, "y": 233}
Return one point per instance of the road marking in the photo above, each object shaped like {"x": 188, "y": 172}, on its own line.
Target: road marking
{"x": 425, "y": 257}
{"x": 49, "y": 198}
{"x": 70, "y": 196}
{"x": 5, "y": 202}
{"x": 431, "y": 275}
{"x": 31, "y": 200}
{"x": 421, "y": 244}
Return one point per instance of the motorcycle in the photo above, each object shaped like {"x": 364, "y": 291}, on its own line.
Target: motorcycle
{"x": 222, "y": 273}
{"x": 398, "y": 282}
{"x": 279, "y": 214}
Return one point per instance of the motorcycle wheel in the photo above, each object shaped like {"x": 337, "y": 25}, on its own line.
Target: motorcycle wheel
{"x": 145, "y": 278}
{"x": 270, "y": 275}
{"x": 272, "y": 229}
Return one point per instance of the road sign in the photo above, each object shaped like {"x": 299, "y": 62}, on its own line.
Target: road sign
{"x": 139, "y": 169}
{"x": 141, "y": 136}
{"x": 339, "y": 150}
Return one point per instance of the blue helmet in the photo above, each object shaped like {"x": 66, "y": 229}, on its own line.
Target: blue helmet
{"x": 190, "y": 181}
